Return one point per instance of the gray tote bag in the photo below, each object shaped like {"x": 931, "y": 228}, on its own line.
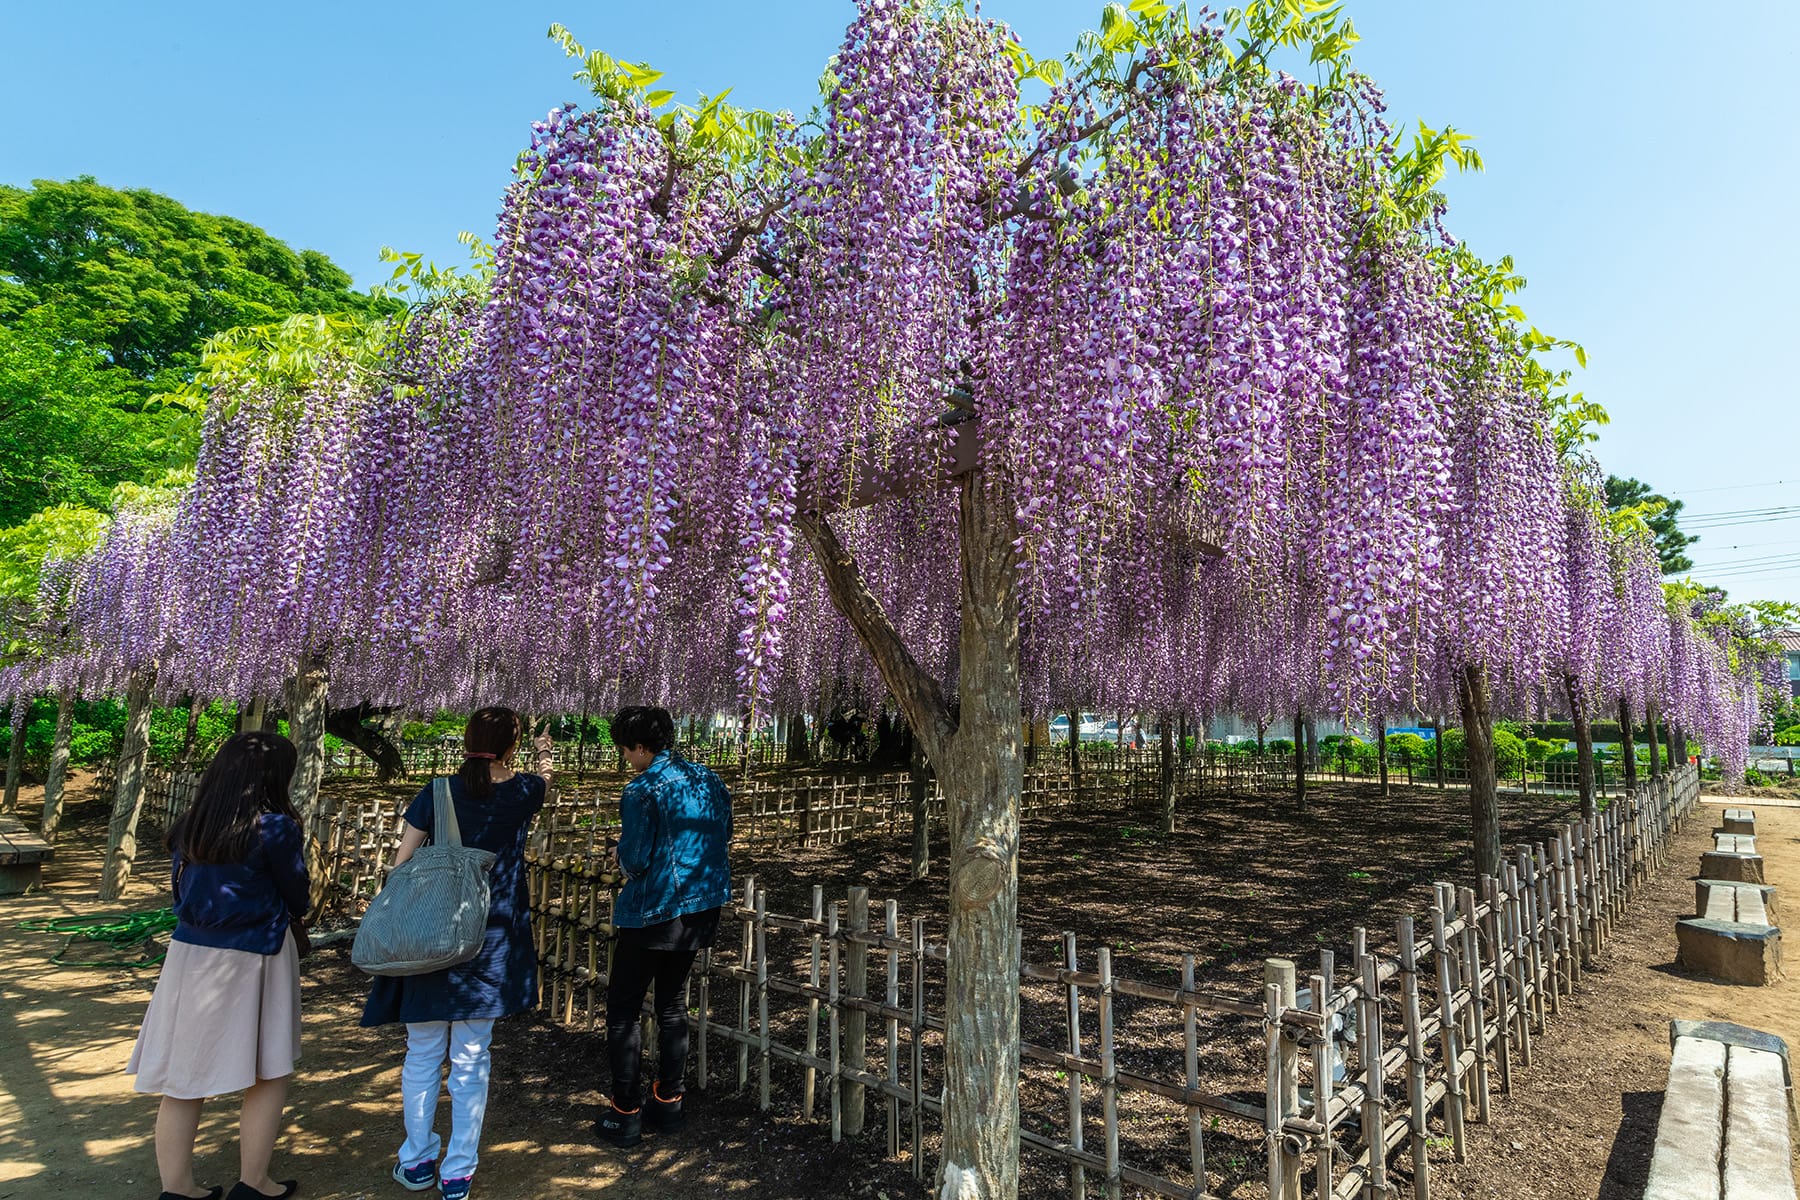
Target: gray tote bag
{"x": 432, "y": 912}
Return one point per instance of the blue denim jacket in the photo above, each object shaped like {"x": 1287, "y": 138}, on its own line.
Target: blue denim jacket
{"x": 676, "y": 831}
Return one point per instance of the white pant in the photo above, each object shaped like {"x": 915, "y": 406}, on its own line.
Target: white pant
{"x": 427, "y": 1043}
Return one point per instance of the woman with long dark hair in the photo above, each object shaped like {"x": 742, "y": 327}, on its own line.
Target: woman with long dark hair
{"x": 451, "y": 1013}
{"x": 225, "y": 1016}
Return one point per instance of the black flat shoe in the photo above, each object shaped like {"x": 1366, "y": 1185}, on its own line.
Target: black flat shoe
{"x": 243, "y": 1191}
{"x": 211, "y": 1194}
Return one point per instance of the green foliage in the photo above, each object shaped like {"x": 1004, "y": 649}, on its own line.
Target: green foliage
{"x": 1789, "y": 736}
{"x": 1538, "y": 750}
{"x": 168, "y": 731}
{"x": 1756, "y": 778}
{"x": 1408, "y": 749}
{"x": 1280, "y": 746}
{"x": 145, "y": 280}
{"x": 444, "y": 724}
{"x": 1659, "y": 513}
{"x": 1509, "y": 753}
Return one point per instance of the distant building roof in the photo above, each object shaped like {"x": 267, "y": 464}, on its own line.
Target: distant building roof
{"x": 1789, "y": 639}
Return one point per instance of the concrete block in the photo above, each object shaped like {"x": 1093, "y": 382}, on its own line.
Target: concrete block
{"x": 1733, "y": 1035}
{"x": 1738, "y": 820}
{"x": 1769, "y": 893}
{"x": 1729, "y": 950}
{"x": 1731, "y": 867}
{"x": 1757, "y": 1162}
{"x": 1690, "y": 1134}
{"x": 1734, "y": 843}
{"x": 16, "y": 878}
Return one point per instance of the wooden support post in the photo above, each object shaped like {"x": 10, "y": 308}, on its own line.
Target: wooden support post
{"x": 1415, "y": 1058}
{"x": 1324, "y": 1063}
{"x": 835, "y": 1084}
{"x": 1494, "y": 929}
{"x": 1368, "y": 1051}
{"x": 1191, "y": 1038}
{"x": 1109, "y": 1079}
{"x": 890, "y": 927}
{"x": 1280, "y": 988}
{"x": 810, "y": 1075}
{"x": 916, "y": 1043}
{"x": 1450, "y": 1030}
{"x": 1477, "y": 1016}
{"x": 1077, "y": 1172}
{"x": 856, "y": 1021}
{"x": 747, "y": 961}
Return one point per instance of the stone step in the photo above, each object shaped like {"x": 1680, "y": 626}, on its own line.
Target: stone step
{"x": 1738, "y": 820}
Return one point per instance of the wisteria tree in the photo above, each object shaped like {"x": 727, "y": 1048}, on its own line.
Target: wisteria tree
{"x": 1149, "y": 375}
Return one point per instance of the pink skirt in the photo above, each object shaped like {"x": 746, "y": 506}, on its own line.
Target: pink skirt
{"x": 219, "y": 1021}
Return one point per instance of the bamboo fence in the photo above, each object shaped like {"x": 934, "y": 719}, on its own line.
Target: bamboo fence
{"x": 1358, "y": 1065}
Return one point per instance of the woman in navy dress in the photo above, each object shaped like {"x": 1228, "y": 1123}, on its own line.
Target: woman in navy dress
{"x": 451, "y": 1013}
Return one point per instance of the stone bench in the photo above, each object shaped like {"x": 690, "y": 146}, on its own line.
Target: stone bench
{"x": 1733, "y": 858}
{"x": 1771, "y": 896}
{"x": 1732, "y": 938}
{"x": 1738, "y": 820}
{"x": 22, "y": 855}
{"x": 1724, "y": 1130}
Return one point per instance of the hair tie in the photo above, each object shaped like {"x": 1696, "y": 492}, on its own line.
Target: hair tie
{"x": 474, "y": 754}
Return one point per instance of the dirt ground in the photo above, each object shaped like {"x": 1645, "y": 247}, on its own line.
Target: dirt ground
{"x": 1241, "y": 881}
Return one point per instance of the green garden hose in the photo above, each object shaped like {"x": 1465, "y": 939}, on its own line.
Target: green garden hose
{"x": 120, "y": 932}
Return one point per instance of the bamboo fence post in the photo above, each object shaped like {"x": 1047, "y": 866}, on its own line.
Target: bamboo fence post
{"x": 835, "y": 1082}
{"x": 1283, "y": 1098}
{"x": 811, "y": 1074}
{"x": 856, "y": 1021}
{"x": 1447, "y": 1021}
{"x": 747, "y": 963}
{"x": 1545, "y": 923}
{"x": 1077, "y": 1172}
{"x": 916, "y": 1045}
{"x": 762, "y": 997}
{"x": 1368, "y": 1050}
{"x": 1534, "y": 958}
{"x": 1415, "y": 1058}
{"x": 1495, "y": 929}
{"x": 890, "y": 926}
{"x": 1476, "y": 1025}
{"x": 1324, "y": 1051}
{"x": 1521, "y": 961}
{"x": 1109, "y": 1079}
{"x": 705, "y": 1003}
{"x": 1196, "y": 1119}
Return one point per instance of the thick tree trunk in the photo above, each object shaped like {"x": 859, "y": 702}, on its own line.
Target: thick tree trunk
{"x": 977, "y": 758}
{"x": 1300, "y": 761}
{"x": 128, "y": 791}
{"x": 1655, "y": 749}
{"x": 1075, "y": 753}
{"x": 1478, "y": 743}
{"x": 1584, "y": 746}
{"x": 350, "y": 725}
{"x": 306, "y": 712}
{"x": 1167, "y": 780}
{"x": 15, "y": 753}
{"x": 1381, "y": 750}
{"x": 250, "y": 717}
{"x": 919, "y": 792}
{"x": 796, "y": 737}
{"x": 1437, "y": 751}
{"x": 57, "y": 777}
{"x": 1627, "y": 746}
{"x": 195, "y": 707}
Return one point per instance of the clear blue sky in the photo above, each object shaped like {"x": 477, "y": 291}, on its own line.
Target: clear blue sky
{"x": 1643, "y": 165}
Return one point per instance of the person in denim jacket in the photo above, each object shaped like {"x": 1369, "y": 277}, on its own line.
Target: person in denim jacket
{"x": 675, "y": 831}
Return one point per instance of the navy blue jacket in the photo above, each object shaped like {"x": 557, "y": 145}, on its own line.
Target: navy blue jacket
{"x": 675, "y": 831}
{"x": 501, "y": 979}
{"x": 244, "y": 905}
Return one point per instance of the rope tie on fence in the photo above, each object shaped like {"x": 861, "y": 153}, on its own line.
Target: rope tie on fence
{"x": 118, "y": 932}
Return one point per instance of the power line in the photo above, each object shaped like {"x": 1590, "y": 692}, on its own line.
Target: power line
{"x": 1735, "y": 487}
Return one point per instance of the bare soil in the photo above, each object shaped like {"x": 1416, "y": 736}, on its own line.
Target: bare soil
{"x": 1242, "y": 880}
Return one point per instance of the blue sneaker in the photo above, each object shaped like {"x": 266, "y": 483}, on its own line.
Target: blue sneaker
{"x": 455, "y": 1189}
{"x": 417, "y": 1178}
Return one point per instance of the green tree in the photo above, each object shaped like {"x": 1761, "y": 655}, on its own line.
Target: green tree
{"x": 1659, "y": 513}
{"x": 107, "y": 299}
{"x": 147, "y": 280}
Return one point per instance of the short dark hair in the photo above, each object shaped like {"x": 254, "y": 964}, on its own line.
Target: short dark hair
{"x": 638, "y": 725}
